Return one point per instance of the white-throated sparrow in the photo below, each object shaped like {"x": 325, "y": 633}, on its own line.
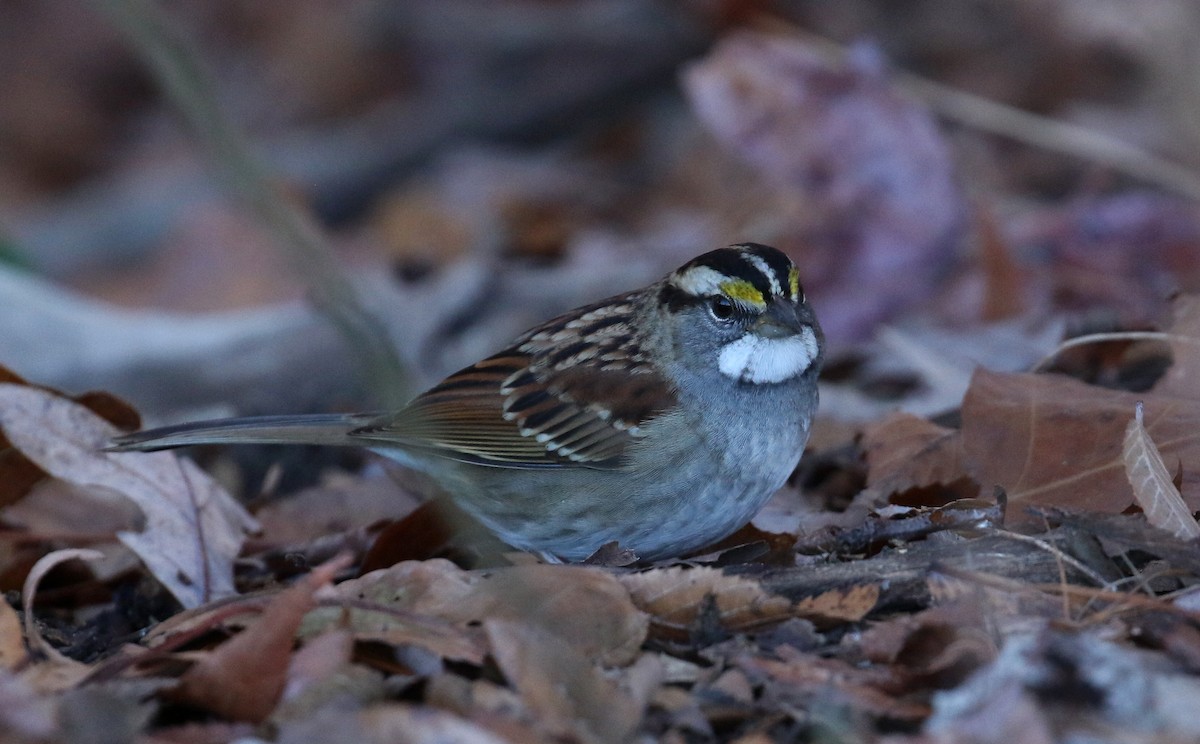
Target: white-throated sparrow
{"x": 663, "y": 418}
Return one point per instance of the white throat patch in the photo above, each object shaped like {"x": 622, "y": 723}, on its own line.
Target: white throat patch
{"x": 759, "y": 360}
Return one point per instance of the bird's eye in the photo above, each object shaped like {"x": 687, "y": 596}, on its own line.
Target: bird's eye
{"x": 721, "y": 308}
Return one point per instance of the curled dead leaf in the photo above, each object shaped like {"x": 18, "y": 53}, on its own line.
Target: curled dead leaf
{"x": 57, "y": 672}
{"x": 28, "y": 592}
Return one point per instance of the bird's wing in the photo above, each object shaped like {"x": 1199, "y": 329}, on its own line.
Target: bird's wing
{"x": 549, "y": 401}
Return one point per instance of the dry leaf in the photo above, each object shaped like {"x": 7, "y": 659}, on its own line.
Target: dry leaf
{"x": 586, "y": 607}
{"x": 399, "y": 628}
{"x": 325, "y": 675}
{"x": 17, "y": 473}
{"x": 1054, "y": 441}
{"x": 833, "y": 682}
{"x": 566, "y": 691}
{"x": 677, "y": 595}
{"x": 338, "y": 504}
{"x": 26, "y": 714}
{"x": 29, "y": 591}
{"x": 243, "y": 679}
{"x": 1152, "y": 485}
{"x": 1183, "y": 377}
{"x": 57, "y": 672}
{"x": 938, "y": 647}
{"x": 905, "y": 451}
{"x": 835, "y": 606}
{"x": 12, "y": 645}
{"x": 194, "y": 529}
{"x": 56, "y": 512}
{"x": 399, "y": 723}
{"x": 384, "y": 622}
{"x": 1006, "y": 282}
{"x": 317, "y": 661}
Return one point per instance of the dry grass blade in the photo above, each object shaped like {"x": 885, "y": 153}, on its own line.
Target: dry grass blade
{"x": 1040, "y": 131}
{"x": 1152, "y": 485}
{"x": 178, "y": 70}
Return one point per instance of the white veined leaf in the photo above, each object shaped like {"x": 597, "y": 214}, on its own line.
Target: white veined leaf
{"x": 1153, "y": 488}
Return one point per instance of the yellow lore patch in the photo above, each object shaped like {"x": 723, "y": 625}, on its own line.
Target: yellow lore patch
{"x": 742, "y": 291}
{"x": 794, "y": 283}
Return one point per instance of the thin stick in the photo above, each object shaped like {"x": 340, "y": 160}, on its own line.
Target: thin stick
{"x": 179, "y": 72}
{"x": 1058, "y": 554}
{"x": 1001, "y": 119}
{"x": 1099, "y": 338}
{"x": 1051, "y": 134}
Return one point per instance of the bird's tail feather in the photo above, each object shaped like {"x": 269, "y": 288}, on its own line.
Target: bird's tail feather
{"x": 330, "y": 429}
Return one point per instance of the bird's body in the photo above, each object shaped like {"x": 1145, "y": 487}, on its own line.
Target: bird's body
{"x": 662, "y": 419}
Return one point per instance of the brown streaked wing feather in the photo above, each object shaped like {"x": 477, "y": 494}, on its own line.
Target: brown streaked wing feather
{"x": 585, "y": 414}
{"x": 548, "y": 402}
{"x": 462, "y": 418}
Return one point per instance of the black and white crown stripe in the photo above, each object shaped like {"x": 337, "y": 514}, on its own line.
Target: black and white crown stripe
{"x": 765, "y": 269}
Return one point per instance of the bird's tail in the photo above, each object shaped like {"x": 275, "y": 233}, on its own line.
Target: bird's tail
{"x": 330, "y": 429}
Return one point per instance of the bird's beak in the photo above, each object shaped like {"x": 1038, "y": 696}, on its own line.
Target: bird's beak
{"x": 781, "y": 319}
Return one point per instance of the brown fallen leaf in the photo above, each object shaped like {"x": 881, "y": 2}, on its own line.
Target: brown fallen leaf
{"x": 799, "y": 676}
{"x": 243, "y": 679}
{"x": 326, "y": 675}
{"x": 56, "y": 513}
{"x": 400, "y": 723}
{"x": 844, "y": 605}
{"x": 586, "y": 607}
{"x": 1183, "y": 335}
{"x": 1007, "y": 285}
{"x": 565, "y": 690}
{"x": 12, "y": 645}
{"x": 1122, "y": 533}
{"x": 677, "y": 596}
{"x": 938, "y": 647}
{"x": 385, "y": 623}
{"x": 360, "y": 617}
{"x": 194, "y": 529}
{"x": 1053, "y": 441}
{"x": 1153, "y": 488}
{"x": 1176, "y": 633}
{"x": 907, "y": 452}
{"x": 339, "y": 504}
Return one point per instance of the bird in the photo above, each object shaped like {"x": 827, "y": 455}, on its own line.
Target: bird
{"x": 661, "y": 419}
